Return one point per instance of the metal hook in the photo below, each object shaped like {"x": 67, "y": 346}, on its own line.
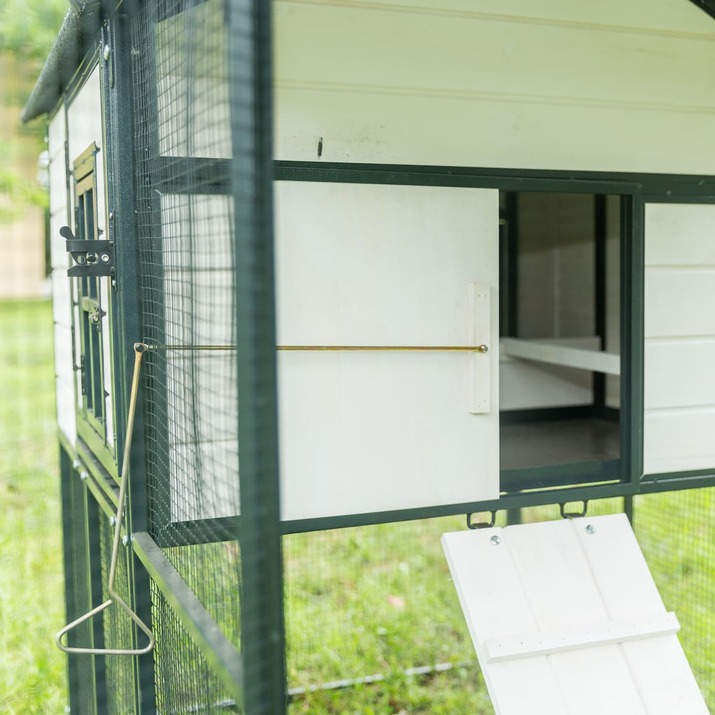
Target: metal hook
{"x": 482, "y": 524}
{"x": 114, "y": 597}
{"x": 573, "y": 514}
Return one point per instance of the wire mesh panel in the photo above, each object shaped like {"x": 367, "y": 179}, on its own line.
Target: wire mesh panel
{"x": 196, "y": 195}
{"x": 677, "y": 534}
{"x": 119, "y": 632}
{"x": 185, "y": 683}
{"x": 84, "y": 672}
{"x": 186, "y": 267}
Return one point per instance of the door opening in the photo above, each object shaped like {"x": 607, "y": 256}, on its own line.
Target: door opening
{"x": 559, "y": 329}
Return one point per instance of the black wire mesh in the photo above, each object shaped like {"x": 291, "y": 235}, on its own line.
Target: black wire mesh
{"x": 185, "y": 683}
{"x": 676, "y": 532}
{"x": 187, "y": 313}
{"x": 78, "y": 568}
{"x": 119, "y": 632}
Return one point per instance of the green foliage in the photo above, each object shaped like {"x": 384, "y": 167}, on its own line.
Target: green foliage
{"x": 29, "y": 27}
{"x": 32, "y": 669}
{"x": 16, "y": 194}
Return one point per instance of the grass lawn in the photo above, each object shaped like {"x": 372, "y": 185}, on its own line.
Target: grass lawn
{"x": 32, "y": 669}
{"x": 373, "y": 601}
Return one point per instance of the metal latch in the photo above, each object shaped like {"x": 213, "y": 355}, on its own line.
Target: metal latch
{"x": 93, "y": 259}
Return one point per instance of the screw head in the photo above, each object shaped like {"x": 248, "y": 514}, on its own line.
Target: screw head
{"x": 75, "y": 464}
{"x": 106, "y": 53}
{"x": 112, "y": 520}
{"x": 83, "y": 475}
{"x": 126, "y": 539}
{"x": 590, "y": 529}
{"x": 495, "y": 540}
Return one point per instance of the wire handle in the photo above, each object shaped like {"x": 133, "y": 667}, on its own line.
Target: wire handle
{"x": 114, "y": 597}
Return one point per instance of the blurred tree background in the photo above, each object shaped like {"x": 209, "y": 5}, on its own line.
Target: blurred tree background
{"x": 32, "y": 669}
{"x": 27, "y": 31}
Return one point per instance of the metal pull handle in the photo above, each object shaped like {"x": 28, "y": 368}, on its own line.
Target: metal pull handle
{"x": 114, "y": 597}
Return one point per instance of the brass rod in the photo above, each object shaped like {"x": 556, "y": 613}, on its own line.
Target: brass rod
{"x": 338, "y": 348}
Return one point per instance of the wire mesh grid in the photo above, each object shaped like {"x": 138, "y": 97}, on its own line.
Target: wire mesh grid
{"x": 79, "y": 569}
{"x": 185, "y": 683}
{"x": 187, "y": 314}
{"x": 676, "y": 532}
{"x": 119, "y": 632}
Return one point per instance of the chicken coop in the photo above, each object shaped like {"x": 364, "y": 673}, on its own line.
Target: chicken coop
{"x": 328, "y": 268}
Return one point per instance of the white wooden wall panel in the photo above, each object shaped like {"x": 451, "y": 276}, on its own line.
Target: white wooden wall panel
{"x": 383, "y": 266}
{"x": 527, "y": 85}
{"x": 61, "y": 290}
{"x": 538, "y": 579}
{"x": 679, "y": 379}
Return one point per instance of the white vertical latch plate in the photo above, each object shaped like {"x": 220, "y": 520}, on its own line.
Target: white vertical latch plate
{"x": 479, "y": 337}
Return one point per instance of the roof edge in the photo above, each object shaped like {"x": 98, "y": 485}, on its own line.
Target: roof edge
{"x": 77, "y": 31}
{"x": 707, "y": 6}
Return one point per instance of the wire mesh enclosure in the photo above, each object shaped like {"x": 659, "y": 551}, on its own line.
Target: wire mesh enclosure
{"x": 195, "y": 343}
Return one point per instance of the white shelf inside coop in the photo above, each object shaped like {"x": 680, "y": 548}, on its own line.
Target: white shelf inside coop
{"x": 566, "y": 618}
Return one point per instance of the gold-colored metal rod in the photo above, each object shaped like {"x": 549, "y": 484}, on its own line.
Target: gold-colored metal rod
{"x": 339, "y": 348}
{"x": 386, "y": 348}
{"x": 114, "y": 597}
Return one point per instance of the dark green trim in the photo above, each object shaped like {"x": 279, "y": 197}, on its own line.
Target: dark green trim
{"x": 510, "y": 501}
{"x": 615, "y": 183}
{"x": 251, "y": 88}
{"x": 707, "y": 6}
{"x": 550, "y": 414}
{"x": 695, "y": 479}
{"x": 560, "y": 475}
{"x": 632, "y": 336}
{"x": 219, "y": 652}
{"x": 107, "y": 489}
{"x": 600, "y": 277}
{"x": 199, "y": 531}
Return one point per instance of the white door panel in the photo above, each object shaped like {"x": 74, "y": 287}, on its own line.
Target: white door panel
{"x": 386, "y": 267}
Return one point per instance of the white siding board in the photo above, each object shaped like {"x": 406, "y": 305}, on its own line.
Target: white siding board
{"x": 484, "y": 90}
{"x": 683, "y": 372}
{"x": 676, "y": 224}
{"x": 668, "y": 17}
{"x": 678, "y": 301}
{"x": 679, "y": 440}
{"x": 679, "y": 388}
{"x": 66, "y": 416}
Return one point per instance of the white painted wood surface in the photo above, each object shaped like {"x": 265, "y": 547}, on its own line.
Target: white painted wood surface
{"x": 61, "y": 294}
{"x": 679, "y": 379}
{"x": 546, "y": 579}
{"x": 556, "y": 354}
{"x": 544, "y": 84}
{"x": 366, "y": 265}
{"x": 525, "y": 384}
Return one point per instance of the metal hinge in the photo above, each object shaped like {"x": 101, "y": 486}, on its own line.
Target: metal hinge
{"x": 93, "y": 259}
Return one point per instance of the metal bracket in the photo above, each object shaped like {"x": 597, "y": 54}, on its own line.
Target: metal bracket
{"x": 573, "y": 514}
{"x": 482, "y": 524}
{"x": 93, "y": 259}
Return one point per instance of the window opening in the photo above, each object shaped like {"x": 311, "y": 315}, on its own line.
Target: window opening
{"x": 91, "y": 309}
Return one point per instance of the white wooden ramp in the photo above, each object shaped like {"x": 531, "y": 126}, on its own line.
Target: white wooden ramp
{"x": 566, "y": 618}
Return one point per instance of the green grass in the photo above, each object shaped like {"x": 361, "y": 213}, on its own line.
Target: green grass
{"x": 360, "y": 602}
{"x": 32, "y": 669}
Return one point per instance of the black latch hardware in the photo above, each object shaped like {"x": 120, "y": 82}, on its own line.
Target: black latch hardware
{"x": 93, "y": 259}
